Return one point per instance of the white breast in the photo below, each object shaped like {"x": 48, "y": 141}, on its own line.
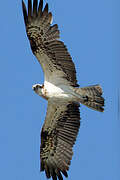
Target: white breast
{"x": 56, "y": 91}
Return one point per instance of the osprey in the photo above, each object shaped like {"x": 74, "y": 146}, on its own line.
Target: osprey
{"x": 60, "y": 89}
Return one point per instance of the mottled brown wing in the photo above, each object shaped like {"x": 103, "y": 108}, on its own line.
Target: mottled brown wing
{"x": 51, "y": 53}
{"x": 58, "y": 136}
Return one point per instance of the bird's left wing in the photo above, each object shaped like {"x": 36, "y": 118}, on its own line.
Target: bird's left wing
{"x": 51, "y": 53}
{"x": 58, "y": 136}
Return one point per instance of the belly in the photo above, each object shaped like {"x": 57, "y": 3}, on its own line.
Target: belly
{"x": 61, "y": 92}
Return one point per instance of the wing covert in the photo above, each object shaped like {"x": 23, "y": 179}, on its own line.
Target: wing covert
{"x": 51, "y": 53}
{"x": 58, "y": 136}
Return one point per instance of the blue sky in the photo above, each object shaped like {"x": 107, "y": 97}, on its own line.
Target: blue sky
{"x": 90, "y": 29}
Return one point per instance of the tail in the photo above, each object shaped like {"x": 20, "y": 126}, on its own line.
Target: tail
{"x": 92, "y": 97}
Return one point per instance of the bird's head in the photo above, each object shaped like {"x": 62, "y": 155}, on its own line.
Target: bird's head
{"x": 38, "y": 89}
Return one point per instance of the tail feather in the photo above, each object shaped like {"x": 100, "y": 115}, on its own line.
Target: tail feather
{"x": 92, "y": 96}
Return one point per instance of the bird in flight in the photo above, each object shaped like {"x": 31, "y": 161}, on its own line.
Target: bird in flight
{"x": 60, "y": 89}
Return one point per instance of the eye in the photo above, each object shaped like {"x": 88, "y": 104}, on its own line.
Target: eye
{"x": 37, "y": 87}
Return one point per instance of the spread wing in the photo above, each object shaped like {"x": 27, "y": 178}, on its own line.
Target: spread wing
{"x": 58, "y": 136}
{"x": 51, "y": 53}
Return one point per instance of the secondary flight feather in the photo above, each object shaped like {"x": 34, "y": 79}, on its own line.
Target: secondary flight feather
{"x": 60, "y": 89}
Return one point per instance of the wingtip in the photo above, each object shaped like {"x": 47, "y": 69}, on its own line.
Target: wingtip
{"x": 29, "y": 8}
{"x": 51, "y": 17}
{"x": 35, "y": 4}
{"x": 24, "y": 12}
{"x": 101, "y": 109}
{"x": 23, "y": 4}
{"x": 65, "y": 173}
{"x": 40, "y": 7}
{"x": 46, "y": 8}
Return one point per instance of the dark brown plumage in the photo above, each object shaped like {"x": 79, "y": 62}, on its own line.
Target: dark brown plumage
{"x": 62, "y": 121}
{"x": 44, "y": 40}
{"x": 58, "y": 138}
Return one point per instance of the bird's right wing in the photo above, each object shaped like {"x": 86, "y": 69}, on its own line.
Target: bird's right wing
{"x": 58, "y": 136}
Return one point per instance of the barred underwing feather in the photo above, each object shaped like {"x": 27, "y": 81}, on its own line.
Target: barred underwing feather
{"x": 44, "y": 43}
{"x": 35, "y": 2}
{"x": 25, "y": 13}
{"x": 45, "y": 9}
{"x": 60, "y": 89}
{"x": 47, "y": 22}
{"x": 57, "y": 150}
{"x": 47, "y": 172}
{"x": 40, "y": 8}
{"x": 29, "y": 8}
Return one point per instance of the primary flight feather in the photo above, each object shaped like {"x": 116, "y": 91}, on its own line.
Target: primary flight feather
{"x": 60, "y": 89}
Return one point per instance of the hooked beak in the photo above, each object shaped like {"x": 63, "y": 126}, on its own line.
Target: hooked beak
{"x": 33, "y": 87}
